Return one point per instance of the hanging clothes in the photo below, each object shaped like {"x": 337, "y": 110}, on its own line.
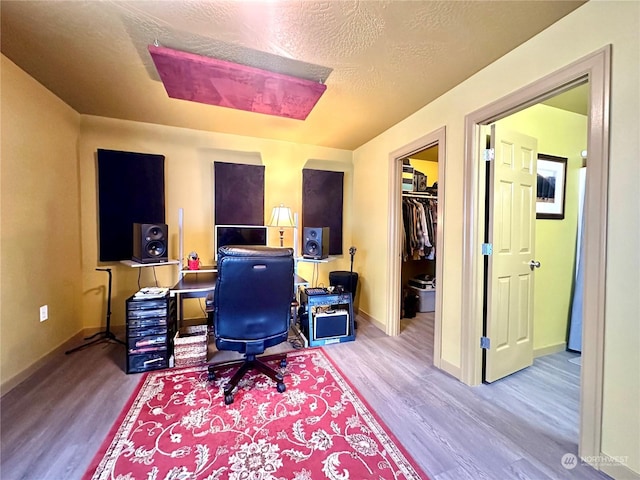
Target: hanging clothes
{"x": 419, "y": 220}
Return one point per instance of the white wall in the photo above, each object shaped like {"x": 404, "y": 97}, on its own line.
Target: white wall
{"x": 582, "y": 32}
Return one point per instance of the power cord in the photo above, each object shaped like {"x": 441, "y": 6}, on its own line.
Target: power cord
{"x": 295, "y": 342}
{"x": 294, "y": 338}
{"x": 203, "y": 307}
{"x": 155, "y": 278}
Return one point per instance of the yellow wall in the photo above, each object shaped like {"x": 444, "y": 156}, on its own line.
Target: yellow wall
{"x": 41, "y": 248}
{"x": 49, "y": 221}
{"x": 580, "y": 33}
{"x": 189, "y": 157}
{"x": 429, "y": 168}
{"x": 562, "y": 134}
{"x": 426, "y": 161}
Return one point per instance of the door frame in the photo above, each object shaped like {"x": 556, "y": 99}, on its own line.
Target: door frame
{"x": 437, "y": 137}
{"x": 596, "y": 70}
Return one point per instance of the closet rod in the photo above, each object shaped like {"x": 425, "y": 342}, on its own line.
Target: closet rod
{"x": 419, "y": 195}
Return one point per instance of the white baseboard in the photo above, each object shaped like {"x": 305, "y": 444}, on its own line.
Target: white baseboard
{"x": 450, "y": 368}
{"x": 372, "y": 320}
{"x": 541, "y": 352}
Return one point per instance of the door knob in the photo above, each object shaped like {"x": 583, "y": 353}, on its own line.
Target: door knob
{"x": 533, "y": 264}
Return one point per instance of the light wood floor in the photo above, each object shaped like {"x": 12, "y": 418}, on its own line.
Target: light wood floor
{"x": 518, "y": 428}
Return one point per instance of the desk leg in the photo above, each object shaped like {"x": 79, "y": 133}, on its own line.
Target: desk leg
{"x": 179, "y": 308}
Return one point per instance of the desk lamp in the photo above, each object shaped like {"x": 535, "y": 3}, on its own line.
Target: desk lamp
{"x": 281, "y": 218}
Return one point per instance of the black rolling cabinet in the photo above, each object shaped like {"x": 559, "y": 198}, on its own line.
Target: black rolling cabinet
{"x": 151, "y": 327}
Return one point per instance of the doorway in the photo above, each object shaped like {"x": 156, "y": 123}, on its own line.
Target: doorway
{"x": 594, "y": 69}
{"x": 419, "y": 228}
{"x": 557, "y": 136}
{"x": 433, "y": 139}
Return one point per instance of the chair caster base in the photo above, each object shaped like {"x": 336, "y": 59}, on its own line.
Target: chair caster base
{"x": 249, "y": 363}
{"x": 228, "y": 394}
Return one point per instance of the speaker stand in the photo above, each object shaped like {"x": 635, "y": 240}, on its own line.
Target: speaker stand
{"x": 105, "y": 335}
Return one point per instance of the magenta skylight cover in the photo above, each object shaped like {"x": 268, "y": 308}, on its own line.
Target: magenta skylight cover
{"x": 195, "y": 78}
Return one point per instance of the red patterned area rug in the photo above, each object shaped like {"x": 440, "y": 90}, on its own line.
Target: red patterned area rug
{"x": 176, "y": 426}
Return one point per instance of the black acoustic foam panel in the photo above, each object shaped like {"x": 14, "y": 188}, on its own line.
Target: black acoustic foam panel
{"x": 239, "y": 194}
{"x": 322, "y": 198}
{"x": 130, "y": 190}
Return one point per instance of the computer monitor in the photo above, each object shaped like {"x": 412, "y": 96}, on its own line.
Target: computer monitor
{"x": 239, "y": 235}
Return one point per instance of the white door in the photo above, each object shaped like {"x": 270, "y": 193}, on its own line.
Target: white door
{"x": 511, "y": 265}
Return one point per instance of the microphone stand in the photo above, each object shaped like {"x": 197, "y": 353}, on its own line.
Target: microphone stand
{"x": 352, "y": 252}
{"x": 105, "y": 335}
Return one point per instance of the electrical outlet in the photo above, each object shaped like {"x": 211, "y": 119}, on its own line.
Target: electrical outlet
{"x": 44, "y": 313}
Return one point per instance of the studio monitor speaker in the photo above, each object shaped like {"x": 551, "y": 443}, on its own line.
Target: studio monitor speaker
{"x": 315, "y": 242}
{"x": 150, "y": 242}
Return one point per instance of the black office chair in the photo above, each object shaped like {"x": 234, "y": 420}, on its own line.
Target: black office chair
{"x": 252, "y": 308}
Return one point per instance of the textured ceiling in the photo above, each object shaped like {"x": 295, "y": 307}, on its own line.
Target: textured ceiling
{"x": 381, "y": 60}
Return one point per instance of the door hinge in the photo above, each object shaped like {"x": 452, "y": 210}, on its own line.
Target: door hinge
{"x": 487, "y": 248}
{"x": 489, "y": 154}
{"x": 485, "y": 343}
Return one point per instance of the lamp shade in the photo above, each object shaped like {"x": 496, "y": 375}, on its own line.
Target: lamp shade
{"x": 281, "y": 217}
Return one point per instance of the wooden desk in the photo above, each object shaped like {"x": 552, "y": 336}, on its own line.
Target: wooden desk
{"x": 197, "y": 285}
{"x": 193, "y": 285}
{"x": 201, "y": 284}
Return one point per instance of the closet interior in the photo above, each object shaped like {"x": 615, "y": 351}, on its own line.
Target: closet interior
{"x": 419, "y": 226}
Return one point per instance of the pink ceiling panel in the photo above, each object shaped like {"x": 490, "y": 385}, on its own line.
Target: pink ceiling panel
{"x": 216, "y": 82}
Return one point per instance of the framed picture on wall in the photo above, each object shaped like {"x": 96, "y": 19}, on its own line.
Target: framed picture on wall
{"x": 551, "y": 187}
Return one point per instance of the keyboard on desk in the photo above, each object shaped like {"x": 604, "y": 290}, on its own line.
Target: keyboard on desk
{"x": 316, "y": 291}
